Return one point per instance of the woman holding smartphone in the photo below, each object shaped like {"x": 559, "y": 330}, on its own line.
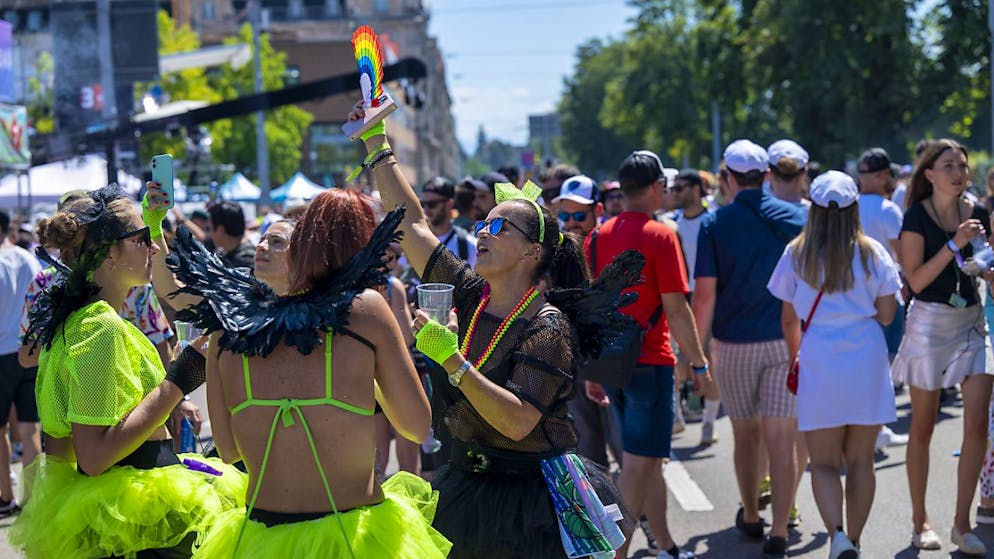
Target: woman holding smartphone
{"x": 945, "y": 334}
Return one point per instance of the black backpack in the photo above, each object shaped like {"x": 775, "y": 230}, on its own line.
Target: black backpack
{"x": 618, "y": 360}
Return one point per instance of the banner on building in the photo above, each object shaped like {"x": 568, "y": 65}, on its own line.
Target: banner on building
{"x": 14, "y": 150}
{"x": 6, "y": 61}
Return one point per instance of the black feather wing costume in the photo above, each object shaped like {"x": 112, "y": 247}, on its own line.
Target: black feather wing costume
{"x": 254, "y": 319}
{"x": 593, "y": 309}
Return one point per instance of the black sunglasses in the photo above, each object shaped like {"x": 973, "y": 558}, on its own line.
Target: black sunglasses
{"x": 494, "y": 226}
{"x": 576, "y": 216}
{"x": 431, "y": 204}
{"x": 144, "y": 236}
{"x": 613, "y": 196}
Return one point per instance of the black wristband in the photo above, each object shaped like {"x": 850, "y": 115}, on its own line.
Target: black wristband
{"x": 188, "y": 371}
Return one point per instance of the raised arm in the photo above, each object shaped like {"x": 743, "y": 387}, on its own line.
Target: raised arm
{"x": 154, "y": 211}
{"x": 418, "y": 241}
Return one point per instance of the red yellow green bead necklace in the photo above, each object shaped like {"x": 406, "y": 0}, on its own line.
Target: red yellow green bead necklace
{"x": 501, "y": 330}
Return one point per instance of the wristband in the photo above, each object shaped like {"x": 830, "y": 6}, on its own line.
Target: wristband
{"x": 699, "y": 370}
{"x": 371, "y": 158}
{"x": 956, "y": 253}
{"x": 376, "y": 130}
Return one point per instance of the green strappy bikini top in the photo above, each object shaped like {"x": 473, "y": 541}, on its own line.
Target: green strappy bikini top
{"x": 285, "y": 410}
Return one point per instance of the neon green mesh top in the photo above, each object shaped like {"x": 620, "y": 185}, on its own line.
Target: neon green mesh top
{"x": 97, "y": 370}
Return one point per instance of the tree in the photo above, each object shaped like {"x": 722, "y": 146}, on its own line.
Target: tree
{"x": 234, "y": 139}
{"x": 186, "y": 85}
{"x": 596, "y": 148}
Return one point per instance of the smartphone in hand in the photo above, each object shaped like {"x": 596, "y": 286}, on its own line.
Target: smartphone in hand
{"x": 162, "y": 173}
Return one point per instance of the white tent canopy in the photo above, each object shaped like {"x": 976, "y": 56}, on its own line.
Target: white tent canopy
{"x": 298, "y": 186}
{"x": 49, "y": 181}
{"x": 239, "y": 189}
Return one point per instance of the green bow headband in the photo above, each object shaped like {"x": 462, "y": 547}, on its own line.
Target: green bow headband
{"x": 504, "y": 191}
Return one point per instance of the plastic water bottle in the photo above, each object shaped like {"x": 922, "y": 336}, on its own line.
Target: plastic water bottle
{"x": 982, "y": 259}
{"x": 187, "y": 440}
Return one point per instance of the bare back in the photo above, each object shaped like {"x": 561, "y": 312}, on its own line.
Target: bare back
{"x": 344, "y": 439}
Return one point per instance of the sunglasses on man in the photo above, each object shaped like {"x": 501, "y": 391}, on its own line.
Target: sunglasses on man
{"x": 575, "y": 216}
{"x": 431, "y": 204}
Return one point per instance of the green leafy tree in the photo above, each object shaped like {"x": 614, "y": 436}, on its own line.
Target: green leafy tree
{"x": 234, "y": 139}
{"x": 596, "y": 148}
{"x": 186, "y": 85}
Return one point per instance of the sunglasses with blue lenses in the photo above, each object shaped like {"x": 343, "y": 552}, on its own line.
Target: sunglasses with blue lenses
{"x": 576, "y": 216}
{"x": 494, "y": 226}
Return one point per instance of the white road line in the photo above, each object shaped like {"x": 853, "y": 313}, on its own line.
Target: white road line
{"x": 685, "y": 489}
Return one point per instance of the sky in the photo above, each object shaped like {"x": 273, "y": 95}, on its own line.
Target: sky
{"x": 507, "y": 59}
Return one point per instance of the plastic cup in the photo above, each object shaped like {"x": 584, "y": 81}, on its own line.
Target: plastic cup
{"x": 436, "y": 300}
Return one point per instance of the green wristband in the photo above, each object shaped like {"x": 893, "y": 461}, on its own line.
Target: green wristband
{"x": 377, "y": 129}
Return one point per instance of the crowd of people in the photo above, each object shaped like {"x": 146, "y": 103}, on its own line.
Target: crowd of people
{"x": 797, "y": 300}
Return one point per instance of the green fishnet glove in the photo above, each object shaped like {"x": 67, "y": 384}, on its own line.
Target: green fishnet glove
{"x": 153, "y": 218}
{"x": 437, "y": 342}
{"x": 377, "y": 129}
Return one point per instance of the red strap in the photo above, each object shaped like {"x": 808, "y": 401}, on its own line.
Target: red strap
{"x": 807, "y": 322}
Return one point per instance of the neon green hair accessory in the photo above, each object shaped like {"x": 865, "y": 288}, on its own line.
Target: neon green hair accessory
{"x": 560, "y": 237}
{"x": 504, "y": 191}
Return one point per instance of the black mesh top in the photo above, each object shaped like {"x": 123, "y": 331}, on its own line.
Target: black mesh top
{"x": 534, "y": 360}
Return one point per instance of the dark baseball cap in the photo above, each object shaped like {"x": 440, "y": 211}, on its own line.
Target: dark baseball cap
{"x": 441, "y": 186}
{"x": 873, "y": 160}
{"x": 640, "y": 169}
{"x": 492, "y": 178}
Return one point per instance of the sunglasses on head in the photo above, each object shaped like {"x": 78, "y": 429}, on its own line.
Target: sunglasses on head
{"x": 495, "y": 226}
{"x": 575, "y": 216}
{"x": 144, "y": 236}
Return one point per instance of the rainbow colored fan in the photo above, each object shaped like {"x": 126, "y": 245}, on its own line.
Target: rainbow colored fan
{"x": 369, "y": 58}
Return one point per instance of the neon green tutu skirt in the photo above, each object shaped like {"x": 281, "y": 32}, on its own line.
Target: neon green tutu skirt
{"x": 397, "y": 528}
{"x": 122, "y": 511}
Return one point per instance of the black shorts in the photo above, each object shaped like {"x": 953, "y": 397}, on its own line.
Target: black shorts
{"x": 17, "y": 386}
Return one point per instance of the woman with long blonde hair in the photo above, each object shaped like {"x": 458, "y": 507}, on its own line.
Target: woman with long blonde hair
{"x": 945, "y": 334}
{"x": 844, "y": 282}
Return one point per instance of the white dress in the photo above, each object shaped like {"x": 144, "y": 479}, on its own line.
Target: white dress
{"x": 845, "y": 374}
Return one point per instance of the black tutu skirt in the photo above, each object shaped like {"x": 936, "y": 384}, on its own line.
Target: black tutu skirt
{"x": 497, "y": 508}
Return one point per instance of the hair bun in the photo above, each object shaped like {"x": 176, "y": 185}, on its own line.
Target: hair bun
{"x": 59, "y": 231}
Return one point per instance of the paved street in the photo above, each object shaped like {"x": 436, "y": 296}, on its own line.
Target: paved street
{"x": 703, "y": 478}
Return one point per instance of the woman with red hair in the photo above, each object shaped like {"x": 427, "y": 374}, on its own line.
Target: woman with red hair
{"x": 302, "y": 420}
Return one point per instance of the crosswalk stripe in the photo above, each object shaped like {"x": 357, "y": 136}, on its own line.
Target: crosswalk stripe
{"x": 685, "y": 489}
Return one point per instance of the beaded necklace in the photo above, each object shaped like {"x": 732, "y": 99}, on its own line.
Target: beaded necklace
{"x": 501, "y": 330}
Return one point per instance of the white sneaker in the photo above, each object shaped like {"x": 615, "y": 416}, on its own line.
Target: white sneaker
{"x": 886, "y": 437}
{"x": 842, "y": 547}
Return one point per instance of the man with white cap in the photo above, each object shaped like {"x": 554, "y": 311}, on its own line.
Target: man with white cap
{"x": 579, "y": 205}
{"x": 789, "y": 172}
{"x": 737, "y": 250}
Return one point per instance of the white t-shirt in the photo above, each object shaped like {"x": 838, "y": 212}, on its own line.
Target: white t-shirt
{"x": 898, "y": 195}
{"x": 881, "y": 219}
{"x": 17, "y": 270}
{"x": 689, "y": 229}
{"x": 845, "y": 371}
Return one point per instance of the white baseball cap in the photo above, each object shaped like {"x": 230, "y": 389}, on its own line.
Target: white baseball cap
{"x": 789, "y": 149}
{"x": 834, "y": 186}
{"x": 743, "y": 156}
{"x": 580, "y": 189}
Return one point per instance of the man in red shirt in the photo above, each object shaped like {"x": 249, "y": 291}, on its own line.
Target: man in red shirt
{"x": 645, "y": 407}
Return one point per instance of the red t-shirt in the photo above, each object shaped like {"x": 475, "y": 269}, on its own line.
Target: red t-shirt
{"x": 663, "y": 273}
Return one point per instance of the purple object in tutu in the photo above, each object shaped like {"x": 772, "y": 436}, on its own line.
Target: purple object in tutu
{"x": 199, "y": 466}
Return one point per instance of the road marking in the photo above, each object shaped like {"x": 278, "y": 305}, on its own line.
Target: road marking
{"x": 685, "y": 489}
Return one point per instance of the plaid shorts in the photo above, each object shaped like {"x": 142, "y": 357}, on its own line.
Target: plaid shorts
{"x": 752, "y": 379}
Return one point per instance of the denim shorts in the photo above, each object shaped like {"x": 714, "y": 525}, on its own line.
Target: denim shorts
{"x": 645, "y": 411}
